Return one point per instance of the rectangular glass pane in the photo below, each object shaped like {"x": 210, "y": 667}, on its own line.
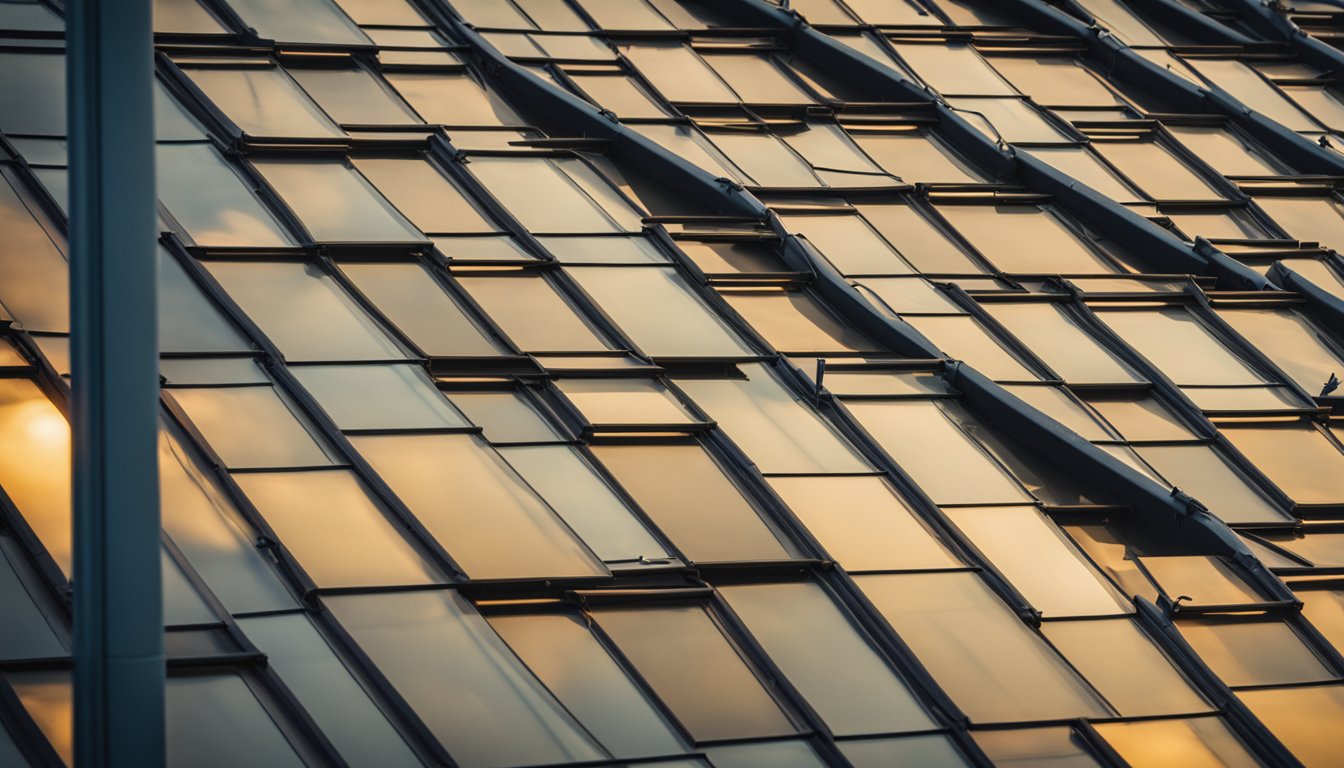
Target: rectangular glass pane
{"x": 264, "y": 102}
{"x": 694, "y": 669}
{"x": 410, "y": 297}
{"x": 340, "y": 536}
{"x": 992, "y": 665}
{"x": 452, "y": 99}
{"x": 354, "y": 96}
{"x": 461, "y": 679}
{"x": 1304, "y": 719}
{"x": 532, "y": 313}
{"x": 1298, "y": 458}
{"x": 1062, "y": 343}
{"x": 1204, "y": 474}
{"x": 211, "y": 202}
{"x": 424, "y": 195}
{"x": 379, "y": 397}
{"x": 1290, "y": 341}
{"x": 477, "y": 507}
{"x": 1205, "y": 742}
{"x": 855, "y": 691}
{"x": 1024, "y": 239}
{"x": 793, "y": 321}
{"x": 1124, "y": 664}
{"x": 335, "y": 203}
{"x": 1251, "y": 652}
{"x": 250, "y": 427}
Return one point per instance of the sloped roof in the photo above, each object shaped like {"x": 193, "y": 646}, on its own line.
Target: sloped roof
{"x": 689, "y": 383}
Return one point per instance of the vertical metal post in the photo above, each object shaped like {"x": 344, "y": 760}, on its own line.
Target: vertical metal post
{"x": 118, "y": 634}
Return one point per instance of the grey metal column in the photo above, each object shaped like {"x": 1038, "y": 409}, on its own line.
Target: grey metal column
{"x": 118, "y": 635}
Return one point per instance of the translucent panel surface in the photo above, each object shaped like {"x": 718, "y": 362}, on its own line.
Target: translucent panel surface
{"x": 35, "y": 464}
{"x": 299, "y": 21}
{"x": 532, "y": 313}
{"x": 625, "y": 401}
{"x": 792, "y": 321}
{"x": 918, "y": 241}
{"x": 690, "y": 499}
{"x": 33, "y": 270}
{"x": 506, "y": 417}
{"x": 1201, "y": 579}
{"x": 584, "y": 500}
{"x": 335, "y": 530}
{"x": 1125, "y": 666}
{"x": 353, "y": 95}
{"x": 1031, "y": 552}
{"x": 856, "y": 691}
{"x": 862, "y": 523}
{"x": 250, "y": 427}
{"x": 944, "y": 461}
{"x": 1290, "y": 341}
{"x": 962, "y": 338}
{"x": 325, "y": 688}
{"x": 187, "y": 321}
{"x": 335, "y": 203}
{"x": 410, "y": 297}
{"x": 1024, "y": 239}
{"x": 933, "y": 750}
{"x": 303, "y": 311}
{"x": 849, "y": 243}
{"x": 562, "y": 651}
{"x": 378, "y": 397}
{"x": 25, "y": 633}
{"x": 477, "y": 507}
{"x": 952, "y": 68}
{"x": 452, "y": 99}
{"x": 1266, "y": 652}
{"x": 210, "y": 201}
{"x": 1056, "y": 747}
{"x": 777, "y": 430}
{"x": 677, "y": 73}
{"x": 423, "y": 194}
{"x": 660, "y": 313}
{"x": 264, "y": 101}
{"x": 988, "y": 661}
{"x": 1299, "y": 459}
{"x": 541, "y": 195}
{"x": 462, "y": 680}
{"x": 1304, "y": 719}
{"x": 1062, "y": 343}
{"x": 695, "y": 671}
{"x": 1202, "y": 473}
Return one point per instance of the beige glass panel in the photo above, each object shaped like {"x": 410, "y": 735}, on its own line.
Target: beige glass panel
{"x": 1055, "y": 82}
{"x": 387, "y": 12}
{"x": 862, "y": 523}
{"x": 463, "y": 682}
{"x": 26, "y": 632}
{"x": 688, "y": 143}
{"x": 553, "y": 15}
{"x": 855, "y": 692}
{"x": 756, "y": 78}
{"x": 1320, "y": 102}
{"x": 915, "y": 157}
{"x": 326, "y": 689}
{"x": 1320, "y": 548}
{"x": 1201, "y": 472}
{"x": 378, "y": 397}
{"x": 1069, "y": 350}
{"x": 35, "y": 464}
{"x": 584, "y": 500}
{"x": 962, "y": 338}
{"x": 677, "y": 73}
{"x": 187, "y": 320}
{"x": 1156, "y": 170}
{"x": 1271, "y": 398}
{"x": 619, "y": 94}
{"x": 1082, "y": 165}
{"x": 833, "y": 155}
{"x": 1306, "y": 720}
{"x": 1198, "y": 742}
{"x": 918, "y": 241}
{"x": 335, "y": 203}
{"x": 604, "y": 250}
{"x": 1229, "y": 224}
{"x": 1036, "y": 559}
{"x": 928, "y": 751}
{"x": 1226, "y": 152}
{"x": 532, "y": 313}
{"x": 822, "y": 11}
{"x": 562, "y": 652}
{"x": 490, "y": 14}
{"x": 207, "y": 528}
{"x": 299, "y": 21}
{"x": 264, "y": 101}
{"x": 603, "y": 191}
{"x": 778, "y": 431}
{"x": 1300, "y": 460}
{"x": 182, "y": 17}
{"x": 943, "y": 460}
{"x": 34, "y": 274}
{"x": 1140, "y": 418}
{"x": 303, "y": 311}
{"x": 452, "y": 99}
{"x": 1123, "y": 23}
{"x": 1059, "y": 405}
{"x": 1319, "y": 274}
{"x": 505, "y": 417}
{"x": 1308, "y": 218}
{"x": 335, "y": 530}
{"x": 1202, "y": 579}
{"x": 699, "y": 675}
{"x": 849, "y": 244}
{"x": 1108, "y": 551}
{"x": 1181, "y": 346}
{"x": 540, "y": 195}
{"x": 992, "y": 665}
{"x": 894, "y": 12}
{"x": 250, "y": 427}
{"x": 477, "y": 507}
{"x": 1124, "y": 664}
{"x": 953, "y": 68}
{"x": 423, "y": 195}
{"x": 209, "y": 200}
{"x": 1290, "y": 341}
{"x": 1010, "y": 119}
{"x": 778, "y": 754}
{"x": 625, "y": 401}
{"x": 1266, "y": 652}
{"x": 691, "y": 501}
{"x": 1248, "y": 87}
{"x": 657, "y": 309}
{"x": 768, "y": 161}
{"x": 1053, "y": 746}
{"x": 624, "y": 15}
{"x": 792, "y": 321}
{"x": 900, "y": 295}
{"x": 1324, "y": 608}
{"x": 409, "y": 297}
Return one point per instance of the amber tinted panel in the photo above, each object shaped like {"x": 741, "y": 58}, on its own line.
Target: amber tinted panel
{"x": 1126, "y": 666}
{"x": 264, "y": 101}
{"x": 1263, "y": 652}
{"x": 452, "y": 99}
{"x": 1306, "y": 720}
{"x": 419, "y": 308}
{"x": 424, "y": 195}
{"x": 1299, "y": 459}
{"x": 1204, "y": 742}
{"x": 250, "y": 427}
{"x": 1061, "y": 342}
{"x": 532, "y": 313}
{"x": 1024, "y": 239}
{"x": 1201, "y": 472}
{"x": 335, "y": 203}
